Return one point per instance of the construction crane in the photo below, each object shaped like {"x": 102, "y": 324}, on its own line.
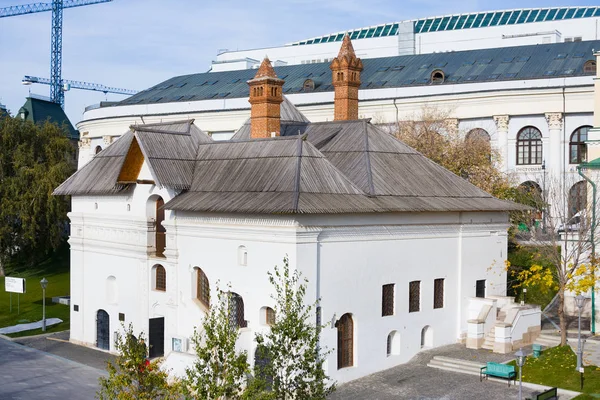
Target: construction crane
{"x": 56, "y": 84}
{"x": 68, "y": 85}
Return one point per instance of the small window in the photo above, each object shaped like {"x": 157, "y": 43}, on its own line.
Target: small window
{"x": 236, "y": 308}
{"x": 480, "y": 288}
{"x": 393, "y": 344}
{"x": 308, "y": 85}
{"x": 270, "y": 316}
{"x": 121, "y": 317}
{"x": 160, "y": 278}
{"x": 414, "y": 301}
{"x": 202, "y": 288}
{"x": 438, "y": 293}
{"x": 589, "y": 67}
{"x": 75, "y": 307}
{"x": 387, "y": 300}
{"x": 242, "y": 256}
{"x": 98, "y": 149}
{"x": 437, "y": 76}
{"x": 345, "y": 336}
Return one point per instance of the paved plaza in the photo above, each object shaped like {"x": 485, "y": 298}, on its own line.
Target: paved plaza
{"x": 416, "y": 381}
{"x": 27, "y": 373}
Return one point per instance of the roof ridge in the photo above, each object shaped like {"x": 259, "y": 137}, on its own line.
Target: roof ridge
{"x": 368, "y": 160}
{"x": 179, "y": 121}
{"x": 296, "y": 198}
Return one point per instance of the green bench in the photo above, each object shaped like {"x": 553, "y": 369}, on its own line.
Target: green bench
{"x": 550, "y": 394}
{"x": 498, "y": 370}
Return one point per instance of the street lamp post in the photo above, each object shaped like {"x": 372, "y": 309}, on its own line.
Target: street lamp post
{"x": 544, "y": 196}
{"x": 579, "y": 301}
{"x": 44, "y": 283}
{"x": 520, "y": 362}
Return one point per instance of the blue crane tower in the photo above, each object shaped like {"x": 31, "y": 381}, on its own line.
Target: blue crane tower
{"x": 56, "y": 83}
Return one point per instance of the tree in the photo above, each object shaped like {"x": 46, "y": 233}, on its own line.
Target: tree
{"x": 133, "y": 376}
{"x": 34, "y": 159}
{"x": 294, "y": 358}
{"x": 219, "y": 371}
{"x": 563, "y": 259}
{"x": 471, "y": 157}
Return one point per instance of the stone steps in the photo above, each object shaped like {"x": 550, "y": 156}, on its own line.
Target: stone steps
{"x": 461, "y": 366}
{"x": 547, "y": 340}
{"x": 489, "y": 340}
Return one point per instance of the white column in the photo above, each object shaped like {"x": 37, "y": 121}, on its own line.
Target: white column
{"x": 554, "y": 155}
{"x": 502, "y": 129}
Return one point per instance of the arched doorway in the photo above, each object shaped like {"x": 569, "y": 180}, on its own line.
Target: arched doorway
{"x": 102, "y": 330}
{"x": 345, "y": 331}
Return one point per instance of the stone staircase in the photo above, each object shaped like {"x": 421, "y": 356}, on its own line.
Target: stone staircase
{"x": 490, "y": 338}
{"x": 455, "y": 365}
{"x": 547, "y": 340}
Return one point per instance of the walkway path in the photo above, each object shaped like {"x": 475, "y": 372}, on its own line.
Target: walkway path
{"x": 29, "y": 326}
{"x": 27, "y": 373}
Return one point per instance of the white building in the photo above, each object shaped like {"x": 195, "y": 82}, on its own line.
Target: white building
{"x": 456, "y": 32}
{"x": 403, "y": 254}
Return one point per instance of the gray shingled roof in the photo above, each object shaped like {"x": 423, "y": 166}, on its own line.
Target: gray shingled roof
{"x": 335, "y": 167}
{"x": 169, "y": 148}
{"x": 482, "y": 65}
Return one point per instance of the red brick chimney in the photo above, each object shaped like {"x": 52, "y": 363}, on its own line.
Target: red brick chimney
{"x": 265, "y": 99}
{"x": 345, "y": 75}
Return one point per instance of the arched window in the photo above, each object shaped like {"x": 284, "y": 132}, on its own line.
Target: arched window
{"x": 427, "y": 337}
{"x": 236, "y": 304}
{"x": 393, "y": 344}
{"x": 308, "y": 85}
{"x": 529, "y": 146}
{"x": 437, "y": 76}
{"x": 262, "y": 362}
{"x": 202, "y": 288}
{"x": 478, "y": 135}
{"x": 242, "y": 256}
{"x": 577, "y": 146}
{"x": 345, "y": 333}
{"x": 161, "y": 232}
{"x": 589, "y": 67}
{"x": 577, "y": 198}
{"x": 270, "y": 316}
{"x": 160, "y": 278}
{"x": 98, "y": 149}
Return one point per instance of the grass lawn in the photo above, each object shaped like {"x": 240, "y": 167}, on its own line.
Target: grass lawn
{"x": 556, "y": 367}
{"x": 56, "y": 271}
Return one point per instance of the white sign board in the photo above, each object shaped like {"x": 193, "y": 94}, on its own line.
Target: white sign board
{"x": 14, "y": 285}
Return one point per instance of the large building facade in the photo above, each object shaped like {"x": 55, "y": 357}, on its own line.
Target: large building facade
{"x": 456, "y": 32}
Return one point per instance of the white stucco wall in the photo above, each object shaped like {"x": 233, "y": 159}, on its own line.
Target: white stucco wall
{"x": 346, "y": 259}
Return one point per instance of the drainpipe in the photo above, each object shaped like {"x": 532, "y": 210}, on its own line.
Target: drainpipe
{"x": 593, "y": 324}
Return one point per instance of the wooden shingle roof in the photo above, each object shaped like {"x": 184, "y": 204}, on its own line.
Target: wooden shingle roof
{"x": 333, "y": 167}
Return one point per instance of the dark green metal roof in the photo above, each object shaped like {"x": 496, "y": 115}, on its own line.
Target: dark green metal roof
{"x": 39, "y": 111}
{"x": 484, "y": 65}
{"x": 463, "y": 21}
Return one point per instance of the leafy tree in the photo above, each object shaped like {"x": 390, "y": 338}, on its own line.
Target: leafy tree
{"x": 562, "y": 257}
{"x": 133, "y": 376}
{"x": 219, "y": 371}
{"x": 34, "y": 159}
{"x": 294, "y": 359}
{"x": 472, "y": 158}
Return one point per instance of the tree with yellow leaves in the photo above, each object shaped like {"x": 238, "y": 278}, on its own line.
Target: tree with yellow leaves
{"x": 569, "y": 265}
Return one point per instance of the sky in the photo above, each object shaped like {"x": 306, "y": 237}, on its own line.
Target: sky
{"x": 136, "y": 44}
